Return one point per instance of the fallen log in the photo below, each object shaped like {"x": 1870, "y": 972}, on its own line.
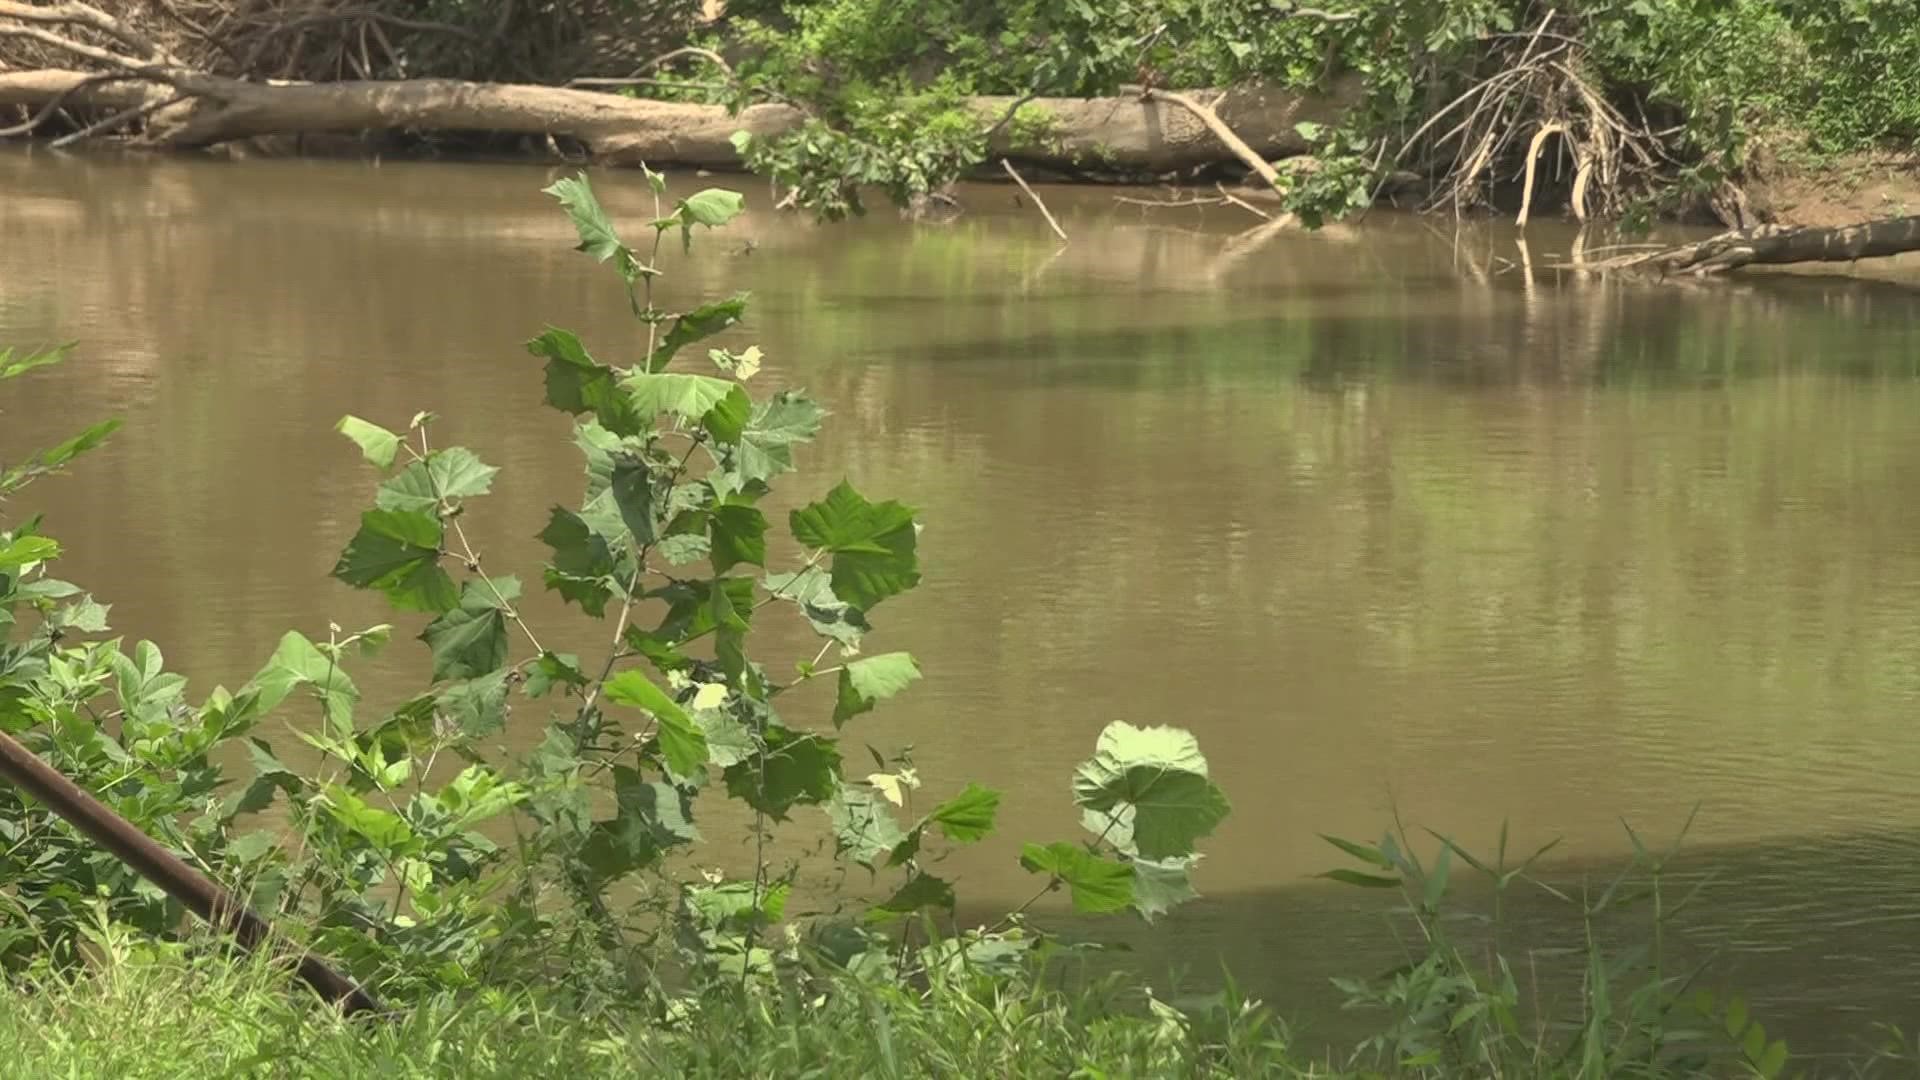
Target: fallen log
{"x": 1776, "y": 245}
{"x": 1118, "y": 133}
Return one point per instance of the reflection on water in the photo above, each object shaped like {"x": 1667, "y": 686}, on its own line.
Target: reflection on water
{"x": 1380, "y": 515}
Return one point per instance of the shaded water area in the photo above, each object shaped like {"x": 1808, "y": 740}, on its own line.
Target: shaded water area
{"x": 1383, "y": 518}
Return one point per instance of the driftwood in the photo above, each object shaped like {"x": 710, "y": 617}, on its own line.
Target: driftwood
{"x": 1776, "y": 245}
{"x": 1124, "y": 133}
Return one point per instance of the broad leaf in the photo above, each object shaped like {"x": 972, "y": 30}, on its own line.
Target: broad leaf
{"x": 378, "y": 445}
{"x": 298, "y": 662}
{"x": 830, "y": 616}
{"x": 387, "y": 831}
{"x": 398, "y": 553}
{"x": 687, "y": 396}
{"x": 729, "y": 741}
{"x": 631, "y": 487}
{"x": 801, "y": 768}
{"x": 477, "y": 706}
{"x": 738, "y": 534}
{"x": 863, "y": 827}
{"x": 873, "y": 545}
{"x": 554, "y": 669}
{"x": 871, "y": 679}
{"x": 1159, "y": 887}
{"x": 1098, "y": 885}
{"x": 923, "y": 891}
{"x": 1160, "y": 776}
{"x": 467, "y": 641}
{"x": 597, "y": 235}
{"x": 682, "y": 742}
{"x": 968, "y": 816}
{"x": 712, "y": 207}
{"x": 727, "y": 420}
{"x": 577, "y": 384}
{"x": 766, "y": 444}
{"x": 26, "y": 550}
{"x": 583, "y": 564}
{"x": 702, "y": 322}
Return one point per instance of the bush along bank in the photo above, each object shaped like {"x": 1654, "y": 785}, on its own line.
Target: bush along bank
{"x": 1607, "y": 109}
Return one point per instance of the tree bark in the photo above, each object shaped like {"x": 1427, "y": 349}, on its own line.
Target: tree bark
{"x": 1122, "y": 133}
{"x": 1775, "y": 245}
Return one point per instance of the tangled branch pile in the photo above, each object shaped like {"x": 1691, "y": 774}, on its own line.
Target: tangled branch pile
{"x": 535, "y": 41}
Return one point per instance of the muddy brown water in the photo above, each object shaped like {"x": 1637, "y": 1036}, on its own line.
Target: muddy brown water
{"x": 1385, "y": 518}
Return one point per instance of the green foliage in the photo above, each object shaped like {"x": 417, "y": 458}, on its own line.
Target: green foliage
{"x": 155, "y": 1015}
{"x": 885, "y": 85}
{"x": 386, "y": 849}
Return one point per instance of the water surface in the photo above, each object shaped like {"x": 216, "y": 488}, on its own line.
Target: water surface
{"x": 1384, "y": 517}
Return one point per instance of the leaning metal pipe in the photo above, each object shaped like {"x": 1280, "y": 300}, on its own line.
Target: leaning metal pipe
{"x": 205, "y": 897}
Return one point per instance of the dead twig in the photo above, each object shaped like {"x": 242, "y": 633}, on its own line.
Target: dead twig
{"x": 1037, "y": 201}
{"x": 115, "y": 120}
{"x": 1242, "y": 203}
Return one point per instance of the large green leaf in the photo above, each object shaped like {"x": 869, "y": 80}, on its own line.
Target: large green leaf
{"x": 378, "y": 445}
{"x": 453, "y": 473}
{"x": 597, "y": 235}
{"x": 873, "y": 545}
{"x": 554, "y": 669}
{"x": 298, "y": 662}
{"x": 577, "y": 384}
{"x": 687, "y": 396}
{"x": 920, "y": 892}
{"x": 387, "y": 831}
{"x": 968, "y": 816}
{"x": 766, "y": 443}
{"x": 702, "y": 322}
{"x": 738, "y": 534}
{"x": 26, "y": 550}
{"x": 583, "y": 563}
{"x": 1098, "y": 885}
{"x": 1160, "y": 886}
{"x": 863, "y": 825}
{"x": 1159, "y": 776}
{"x": 471, "y": 639}
{"x": 830, "y": 616}
{"x": 871, "y": 679}
{"x": 398, "y": 553}
{"x": 801, "y": 768}
{"x": 682, "y": 742}
{"x": 846, "y": 521}
{"x": 727, "y": 420}
{"x": 476, "y": 794}
{"x": 477, "y": 706}
{"x": 729, "y": 741}
{"x": 712, "y": 207}
{"x": 630, "y": 485}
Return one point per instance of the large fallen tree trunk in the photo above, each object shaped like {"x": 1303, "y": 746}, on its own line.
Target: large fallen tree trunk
{"x": 1776, "y": 245}
{"x": 1121, "y": 133}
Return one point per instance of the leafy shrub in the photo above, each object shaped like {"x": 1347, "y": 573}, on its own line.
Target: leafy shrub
{"x": 394, "y": 865}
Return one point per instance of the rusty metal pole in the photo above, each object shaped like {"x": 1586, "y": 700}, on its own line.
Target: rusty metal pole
{"x": 205, "y": 897}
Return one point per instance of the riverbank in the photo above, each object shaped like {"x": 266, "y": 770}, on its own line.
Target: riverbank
{"x": 1603, "y": 111}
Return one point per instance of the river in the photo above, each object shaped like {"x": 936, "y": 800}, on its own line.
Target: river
{"x": 1389, "y": 516}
